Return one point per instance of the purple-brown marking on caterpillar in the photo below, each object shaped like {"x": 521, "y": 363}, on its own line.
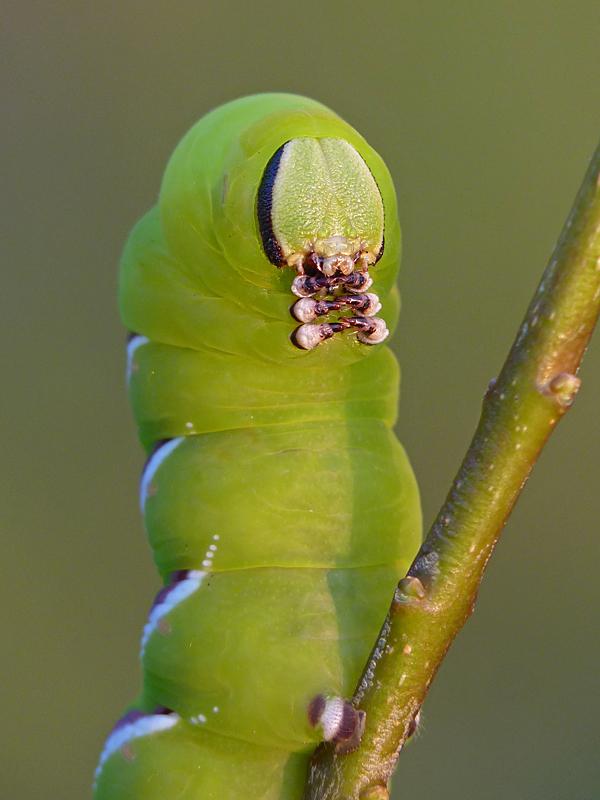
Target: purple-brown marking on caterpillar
{"x": 315, "y": 709}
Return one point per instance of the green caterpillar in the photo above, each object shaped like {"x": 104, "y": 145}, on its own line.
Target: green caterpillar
{"x": 280, "y": 507}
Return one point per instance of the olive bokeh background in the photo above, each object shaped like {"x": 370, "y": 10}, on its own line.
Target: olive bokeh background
{"x": 486, "y": 113}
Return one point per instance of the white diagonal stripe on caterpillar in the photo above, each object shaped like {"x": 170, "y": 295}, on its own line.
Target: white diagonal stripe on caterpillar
{"x": 152, "y": 465}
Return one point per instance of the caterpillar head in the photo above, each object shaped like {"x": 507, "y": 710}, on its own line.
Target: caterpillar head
{"x": 320, "y": 211}
{"x": 281, "y": 181}
{"x": 319, "y": 207}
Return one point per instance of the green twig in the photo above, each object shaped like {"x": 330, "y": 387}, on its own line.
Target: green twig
{"x": 536, "y": 387}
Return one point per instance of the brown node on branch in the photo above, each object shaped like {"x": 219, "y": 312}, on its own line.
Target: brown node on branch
{"x": 563, "y": 388}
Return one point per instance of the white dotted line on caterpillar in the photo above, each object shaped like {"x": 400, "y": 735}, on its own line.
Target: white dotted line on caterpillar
{"x": 210, "y": 553}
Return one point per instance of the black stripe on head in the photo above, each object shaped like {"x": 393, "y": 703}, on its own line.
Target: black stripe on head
{"x": 380, "y": 253}
{"x": 264, "y": 203}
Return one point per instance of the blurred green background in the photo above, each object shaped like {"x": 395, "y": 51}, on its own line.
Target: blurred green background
{"x": 486, "y": 113}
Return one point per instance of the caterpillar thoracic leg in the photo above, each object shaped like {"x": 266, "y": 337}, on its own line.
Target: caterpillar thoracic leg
{"x": 371, "y": 330}
{"x": 306, "y": 309}
{"x": 307, "y": 286}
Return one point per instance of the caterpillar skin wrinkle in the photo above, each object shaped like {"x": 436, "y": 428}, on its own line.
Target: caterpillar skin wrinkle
{"x": 279, "y": 505}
